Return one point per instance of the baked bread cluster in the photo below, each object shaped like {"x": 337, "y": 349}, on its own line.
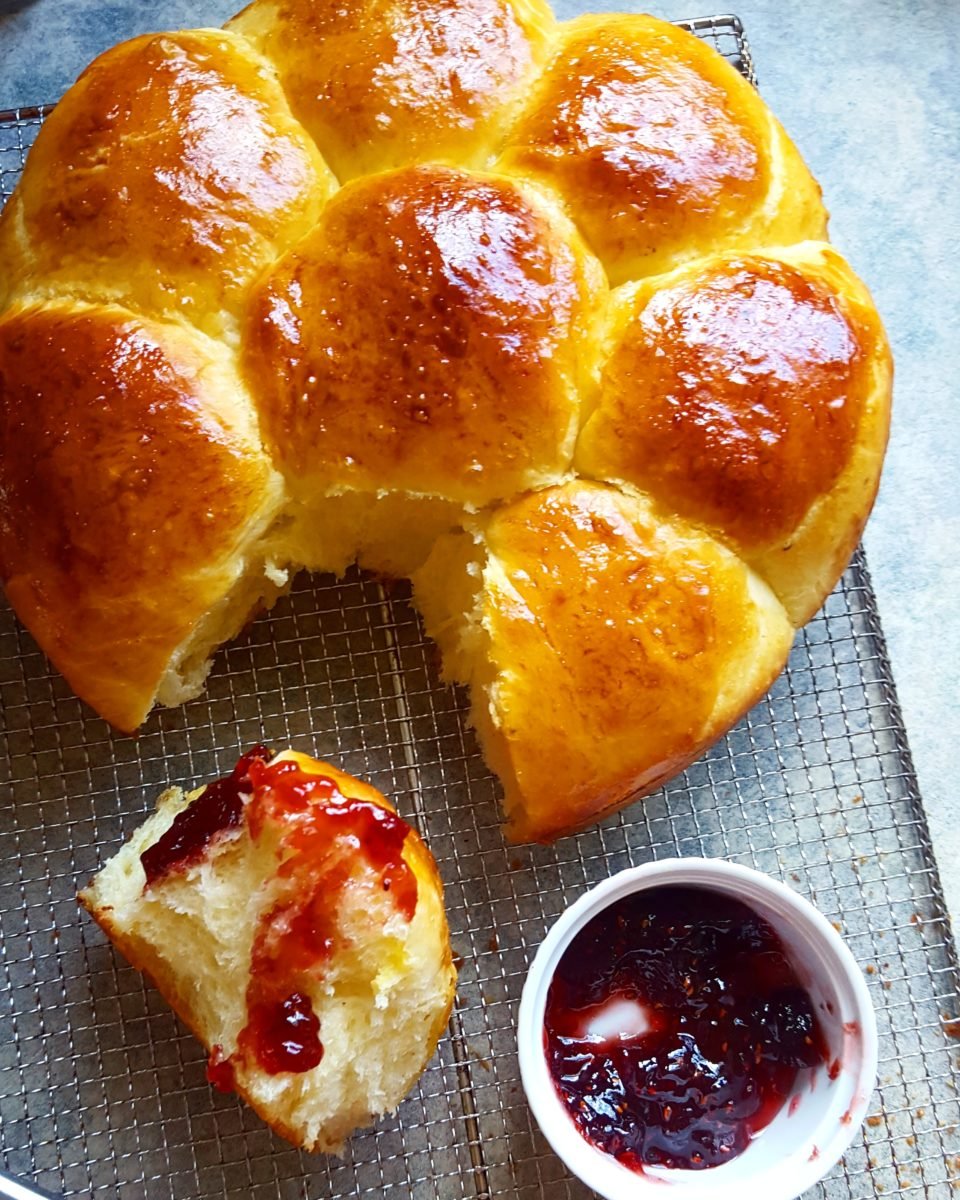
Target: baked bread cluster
{"x": 538, "y": 313}
{"x": 296, "y": 924}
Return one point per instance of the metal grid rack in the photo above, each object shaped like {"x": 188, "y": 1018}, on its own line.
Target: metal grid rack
{"x": 103, "y": 1093}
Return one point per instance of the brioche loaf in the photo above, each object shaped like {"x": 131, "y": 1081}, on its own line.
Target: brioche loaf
{"x": 604, "y": 646}
{"x": 539, "y": 313}
{"x": 296, "y": 924}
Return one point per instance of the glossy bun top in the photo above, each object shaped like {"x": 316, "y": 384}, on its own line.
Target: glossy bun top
{"x": 733, "y": 395}
{"x": 107, "y": 425}
{"x": 658, "y": 146}
{"x": 620, "y": 641}
{"x": 428, "y": 335}
{"x": 381, "y": 83}
{"x": 743, "y": 393}
{"x": 166, "y": 178}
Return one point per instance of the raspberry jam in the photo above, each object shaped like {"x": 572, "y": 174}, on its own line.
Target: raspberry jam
{"x": 220, "y": 1071}
{"x": 676, "y": 1028}
{"x": 320, "y": 822}
{"x": 331, "y": 838}
{"x": 218, "y": 808}
{"x": 284, "y": 1033}
{"x": 327, "y": 843}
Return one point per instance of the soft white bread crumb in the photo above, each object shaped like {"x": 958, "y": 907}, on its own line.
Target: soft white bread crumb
{"x": 382, "y": 998}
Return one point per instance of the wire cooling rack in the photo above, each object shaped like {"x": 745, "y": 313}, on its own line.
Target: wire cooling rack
{"x": 102, "y": 1092}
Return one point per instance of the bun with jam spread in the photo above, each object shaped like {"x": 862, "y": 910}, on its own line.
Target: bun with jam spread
{"x": 538, "y": 312}
{"x": 296, "y": 924}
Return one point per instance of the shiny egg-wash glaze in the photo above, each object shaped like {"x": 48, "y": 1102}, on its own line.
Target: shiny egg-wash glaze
{"x": 186, "y": 175}
{"x": 381, "y": 84}
{"x": 104, "y": 417}
{"x": 689, "y": 391}
{"x": 743, "y": 430}
{"x": 437, "y": 320}
{"x": 607, "y": 626}
{"x": 428, "y": 371}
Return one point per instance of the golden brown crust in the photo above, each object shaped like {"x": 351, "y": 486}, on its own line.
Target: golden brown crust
{"x": 621, "y": 645}
{"x": 659, "y": 147}
{"x": 169, "y": 174}
{"x": 742, "y": 393}
{"x": 428, "y": 342}
{"x": 384, "y": 83}
{"x": 129, "y": 480}
{"x": 145, "y": 959}
{"x": 427, "y": 336}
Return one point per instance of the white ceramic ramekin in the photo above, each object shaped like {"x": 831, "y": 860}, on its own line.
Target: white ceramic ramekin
{"x": 810, "y": 1133}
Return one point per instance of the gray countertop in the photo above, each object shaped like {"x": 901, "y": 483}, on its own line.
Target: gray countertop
{"x": 870, "y": 93}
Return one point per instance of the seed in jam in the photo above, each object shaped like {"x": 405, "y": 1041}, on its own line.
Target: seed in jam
{"x": 720, "y": 1028}
{"x": 218, "y": 808}
{"x": 220, "y": 1071}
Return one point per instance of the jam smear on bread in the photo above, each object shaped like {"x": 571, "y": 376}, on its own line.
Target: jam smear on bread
{"x": 219, "y": 807}
{"x": 334, "y": 841}
{"x": 327, "y": 843}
